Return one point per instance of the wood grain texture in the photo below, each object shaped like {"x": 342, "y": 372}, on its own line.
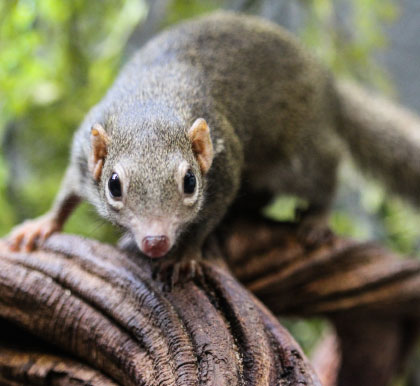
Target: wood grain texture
{"x": 85, "y": 312}
{"x": 104, "y": 309}
{"x": 371, "y": 296}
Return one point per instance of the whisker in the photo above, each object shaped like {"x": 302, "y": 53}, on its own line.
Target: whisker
{"x": 100, "y": 223}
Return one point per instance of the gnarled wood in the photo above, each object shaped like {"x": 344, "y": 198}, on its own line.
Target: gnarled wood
{"x": 105, "y": 308}
{"x": 19, "y": 367}
{"x": 370, "y": 295}
{"x": 102, "y": 306}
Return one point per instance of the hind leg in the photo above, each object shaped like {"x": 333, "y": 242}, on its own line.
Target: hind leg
{"x": 313, "y": 226}
{"x": 313, "y": 221}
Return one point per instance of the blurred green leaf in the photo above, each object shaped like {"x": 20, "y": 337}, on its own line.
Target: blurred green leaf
{"x": 57, "y": 59}
{"x": 185, "y": 9}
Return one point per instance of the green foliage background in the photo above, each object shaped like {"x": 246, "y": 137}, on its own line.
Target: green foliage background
{"x": 57, "y": 58}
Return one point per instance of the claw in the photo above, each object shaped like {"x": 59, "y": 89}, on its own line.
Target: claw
{"x": 14, "y": 241}
{"x": 178, "y": 273}
{"x": 184, "y": 271}
{"x": 28, "y": 235}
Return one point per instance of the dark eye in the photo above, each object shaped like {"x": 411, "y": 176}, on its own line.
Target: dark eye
{"x": 114, "y": 186}
{"x": 189, "y": 182}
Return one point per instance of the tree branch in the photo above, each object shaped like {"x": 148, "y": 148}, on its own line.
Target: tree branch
{"x": 106, "y": 309}
{"x": 369, "y": 294}
{"x": 102, "y": 307}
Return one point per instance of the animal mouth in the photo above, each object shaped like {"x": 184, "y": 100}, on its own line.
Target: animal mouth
{"x": 154, "y": 236}
{"x": 155, "y": 246}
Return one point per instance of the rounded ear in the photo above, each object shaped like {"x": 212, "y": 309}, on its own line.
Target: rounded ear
{"x": 199, "y": 135}
{"x": 99, "y": 142}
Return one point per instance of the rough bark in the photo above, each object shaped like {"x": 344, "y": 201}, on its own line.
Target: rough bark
{"x": 369, "y": 294}
{"x": 25, "y": 367}
{"x": 107, "y": 312}
{"x": 99, "y": 311}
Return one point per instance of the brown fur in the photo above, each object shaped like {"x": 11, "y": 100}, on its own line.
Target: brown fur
{"x": 277, "y": 123}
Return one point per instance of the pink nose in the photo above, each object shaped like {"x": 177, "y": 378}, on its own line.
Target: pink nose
{"x": 155, "y": 246}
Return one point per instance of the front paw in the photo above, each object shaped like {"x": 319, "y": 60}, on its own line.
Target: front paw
{"x": 178, "y": 273}
{"x": 32, "y": 233}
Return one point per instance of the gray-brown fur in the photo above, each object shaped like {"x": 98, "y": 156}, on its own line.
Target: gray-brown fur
{"x": 274, "y": 114}
{"x": 383, "y": 138}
